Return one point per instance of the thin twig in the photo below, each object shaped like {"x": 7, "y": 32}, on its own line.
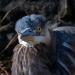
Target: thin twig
{"x": 6, "y": 15}
{"x": 4, "y": 70}
{"x": 3, "y": 27}
{"x": 11, "y": 42}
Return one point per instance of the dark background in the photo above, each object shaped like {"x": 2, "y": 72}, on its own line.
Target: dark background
{"x": 53, "y": 10}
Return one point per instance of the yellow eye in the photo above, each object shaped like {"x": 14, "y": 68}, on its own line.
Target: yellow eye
{"x": 39, "y": 29}
{"x": 19, "y": 33}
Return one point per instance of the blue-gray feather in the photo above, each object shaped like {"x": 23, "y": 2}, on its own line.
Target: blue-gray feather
{"x": 29, "y": 21}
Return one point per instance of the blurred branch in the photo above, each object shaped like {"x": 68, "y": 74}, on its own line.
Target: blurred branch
{"x": 7, "y": 14}
{"x": 7, "y": 27}
{"x": 4, "y": 70}
{"x": 3, "y": 27}
{"x": 10, "y": 43}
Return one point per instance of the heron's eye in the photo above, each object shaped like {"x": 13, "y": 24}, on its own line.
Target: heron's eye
{"x": 39, "y": 29}
{"x": 19, "y": 33}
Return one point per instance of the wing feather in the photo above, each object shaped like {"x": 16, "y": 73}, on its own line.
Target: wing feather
{"x": 70, "y": 44}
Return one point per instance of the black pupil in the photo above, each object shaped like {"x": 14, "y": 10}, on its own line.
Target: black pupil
{"x": 39, "y": 28}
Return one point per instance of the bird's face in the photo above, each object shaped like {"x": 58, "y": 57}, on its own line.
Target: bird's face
{"x": 31, "y": 29}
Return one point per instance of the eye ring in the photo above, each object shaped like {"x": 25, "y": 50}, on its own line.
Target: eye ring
{"x": 39, "y": 29}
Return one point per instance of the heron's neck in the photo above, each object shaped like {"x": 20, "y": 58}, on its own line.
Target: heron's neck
{"x": 22, "y": 42}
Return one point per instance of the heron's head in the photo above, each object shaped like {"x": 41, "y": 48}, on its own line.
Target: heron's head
{"x": 32, "y": 29}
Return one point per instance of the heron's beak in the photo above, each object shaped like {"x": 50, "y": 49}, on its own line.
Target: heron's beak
{"x": 27, "y": 32}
